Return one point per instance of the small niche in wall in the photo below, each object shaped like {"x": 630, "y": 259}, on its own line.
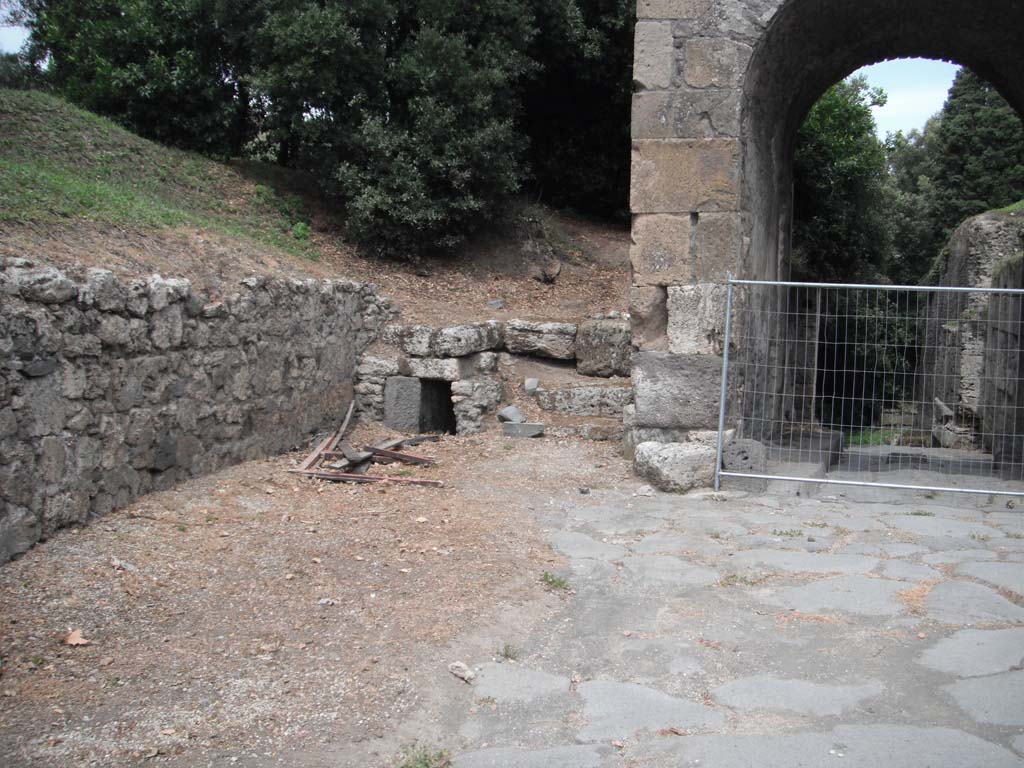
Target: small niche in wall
{"x": 437, "y": 412}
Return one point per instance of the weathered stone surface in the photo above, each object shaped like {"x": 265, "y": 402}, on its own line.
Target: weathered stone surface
{"x": 654, "y": 54}
{"x": 995, "y": 700}
{"x": 676, "y": 391}
{"x": 618, "y": 710}
{"x": 672, "y": 9}
{"x": 577, "y": 756}
{"x": 462, "y": 340}
{"x": 976, "y": 652}
{"x": 402, "y": 398}
{"x": 660, "y": 250}
{"x": 554, "y": 340}
{"x": 472, "y": 400}
{"x": 531, "y": 385}
{"x": 522, "y": 429}
{"x": 440, "y": 369}
{"x": 119, "y": 388}
{"x": 745, "y": 455}
{"x": 603, "y": 348}
{"x": 675, "y": 467}
{"x": 648, "y": 314}
{"x": 710, "y": 62}
{"x": 511, "y": 414}
{"x": 586, "y": 400}
{"x": 686, "y": 114}
{"x": 516, "y": 684}
{"x": 802, "y": 696}
{"x": 696, "y": 318}
{"x": 964, "y": 602}
{"x": 718, "y": 249}
{"x": 682, "y": 175}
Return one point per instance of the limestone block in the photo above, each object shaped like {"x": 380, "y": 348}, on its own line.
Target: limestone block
{"x": 373, "y": 365}
{"x": 676, "y": 391}
{"x": 47, "y": 286}
{"x": 719, "y": 241}
{"x": 660, "y": 249}
{"x": 472, "y": 399}
{"x": 672, "y": 9}
{"x": 554, "y": 340}
{"x": 714, "y": 62}
{"x": 461, "y": 340}
{"x": 442, "y": 369}
{"x": 676, "y": 467}
{"x": 603, "y": 348}
{"x": 415, "y": 340}
{"x": 696, "y": 319}
{"x": 103, "y": 291}
{"x": 684, "y": 175}
{"x": 745, "y": 455}
{"x": 686, "y": 113}
{"x": 654, "y": 54}
{"x": 402, "y": 395}
{"x": 648, "y": 315}
{"x": 596, "y": 400}
{"x": 19, "y": 530}
{"x": 633, "y": 436}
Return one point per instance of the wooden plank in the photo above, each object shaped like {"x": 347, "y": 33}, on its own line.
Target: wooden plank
{"x": 356, "y": 457}
{"x": 405, "y": 458}
{"x": 344, "y": 425}
{"x": 356, "y": 478}
{"x": 314, "y": 457}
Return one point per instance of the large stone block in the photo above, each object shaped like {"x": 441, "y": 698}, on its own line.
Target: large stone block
{"x": 442, "y": 369}
{"x": 676, "y": 467}
{"x": 461, "y": 340}
{"x": 603, "y": 348}
{"x": 402, "y": 396}
{"x": 718, "y": 246}
{"x": 676, "y": 391}
{"x": 714, "y": 62}
{"x": 654, "y": 54}
{"x": 684, "y": 175}
{"x": 686, "y": 113}
{"x": 696, "y": 319}
{"x": 660, "y": 249}
{"x": 554, "y": 340}
{"x": 648, "y": 314}
{"x": 672, "y": 9}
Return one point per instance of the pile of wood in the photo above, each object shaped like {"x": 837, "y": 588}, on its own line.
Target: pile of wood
{"x": 337, "y": 459}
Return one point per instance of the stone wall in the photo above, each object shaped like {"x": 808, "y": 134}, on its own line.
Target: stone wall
{"x": 111, "y": 389}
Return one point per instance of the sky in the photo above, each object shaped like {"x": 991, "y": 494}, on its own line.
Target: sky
{"x": 916, "y": 87}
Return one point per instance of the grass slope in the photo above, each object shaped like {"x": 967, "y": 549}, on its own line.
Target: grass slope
{"x": 59, "y": 164}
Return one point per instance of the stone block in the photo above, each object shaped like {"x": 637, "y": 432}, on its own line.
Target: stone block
{"x": 660, "y": 249}
{"x": 415, "y": 340}
{"x": 47, "y": 286}
{"x": 462, "y": 340}
{"x": 511, "y": 414}
{"x": 745, "y": 455}
{"x": 374, "y": 366}
{"x": 686, "y": 114}
{"x": 523, "y": 429}
{"x": 696, "y": 319}
{"x": 472, "y": 399}
{"x": 603, "y": 348}
{"x": 685, "y": 175}
{"x": 595, "y": 400}
{"x": 633, "y": 436}
{"x": 718, "y": 246}
{"x": 19, "y": 529}
{"x": 714, "y": 62}
{"x": 676, "y": 391}
{"x": 654, "y": 54}
{"x": 676, "y": 467}
{"x": 648, "y": 314}
{"x": 554, "y": 340}
{"x": 672, "y": 9}
{"x": 103, "y": 291}
{"x": 402, "y": 396}
{"x": 441, "y": 369}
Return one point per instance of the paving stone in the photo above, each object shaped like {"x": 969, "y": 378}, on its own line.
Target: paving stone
{"x": 1018, "y": 744}
{"x": 903, "y": 550}
{"x": 964, "y": 602}
{"x": 802, "y": 696}
{"x": 1009, "y": 576}
{"x": 665, "y": 569}
{"x": 579, "y": 545}
{"x": 859, "y": 548}
{"x": 576, "y": 756}
{"x": 994, "y": 700}
{"x": 898, "y": 569}
{"x": 618, "y": 710}
{"x": 666, "y": 543}
{"x": 525, "y": 429}
{"x": 955, "y": 556}
{"x": 942, "y": 527}
{"x": 848, "y": 594}
{"x": 802, "y": 562}
{"x": 516, "y": 684}
{"x": 862, "y": 746}
{"x": 976, "y": 652}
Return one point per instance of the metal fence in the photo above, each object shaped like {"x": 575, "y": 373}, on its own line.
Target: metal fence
{"x": 895, "y": 386}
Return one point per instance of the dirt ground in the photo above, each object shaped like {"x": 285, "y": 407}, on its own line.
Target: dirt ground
{"x": 251, "y": 612}
{"x": 594, "y": 276}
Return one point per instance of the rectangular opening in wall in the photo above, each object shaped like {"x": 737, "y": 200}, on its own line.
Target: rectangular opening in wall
{"x": 437, "y": 412}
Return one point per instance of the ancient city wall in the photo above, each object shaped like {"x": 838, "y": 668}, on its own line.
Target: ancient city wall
{"x": 110, "y": 389}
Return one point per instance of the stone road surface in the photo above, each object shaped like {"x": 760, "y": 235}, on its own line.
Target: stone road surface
{"x": 745, "y": 631}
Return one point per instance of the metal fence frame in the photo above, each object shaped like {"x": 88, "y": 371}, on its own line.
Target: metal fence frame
{"x": 732, "y": 282}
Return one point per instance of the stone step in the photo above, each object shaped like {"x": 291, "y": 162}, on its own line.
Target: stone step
{"x": 597, "y": 428}
{"x": 606, "y": 400}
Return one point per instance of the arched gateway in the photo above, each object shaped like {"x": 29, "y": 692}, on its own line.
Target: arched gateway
{"x": 722, "y": 87}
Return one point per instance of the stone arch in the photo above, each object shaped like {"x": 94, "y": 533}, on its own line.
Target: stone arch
{"x": 811, "y": 44}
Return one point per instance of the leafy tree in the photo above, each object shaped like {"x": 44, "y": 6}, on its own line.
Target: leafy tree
{"x": 17, "y": 73}
{"x": 840, "y": 220}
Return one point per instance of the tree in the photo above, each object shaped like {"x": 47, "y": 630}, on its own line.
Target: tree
{"x": 841, "y": 231}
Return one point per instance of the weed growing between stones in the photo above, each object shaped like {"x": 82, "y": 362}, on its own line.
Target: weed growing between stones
{"x": 553, "y": 582}
{"x": 424, "y": 757}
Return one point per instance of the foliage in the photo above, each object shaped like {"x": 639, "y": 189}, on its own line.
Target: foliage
{"x": 841, "y": 230}
{"x": 423, "y": 757}
{"x": 84, "y": 167}
{"x": 16, "y": 72}
{"x": 968, "y": 160}
{"x": 577, "y": 107}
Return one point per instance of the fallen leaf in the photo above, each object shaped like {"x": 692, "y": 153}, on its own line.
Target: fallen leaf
{"x": 75, "y": 638}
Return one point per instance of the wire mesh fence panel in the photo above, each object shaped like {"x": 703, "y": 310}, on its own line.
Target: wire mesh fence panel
{"x": 904, "y": 387}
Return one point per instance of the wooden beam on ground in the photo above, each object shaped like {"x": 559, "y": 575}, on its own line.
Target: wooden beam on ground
{"x": 349, "y": 477}
{"x": 405, "y": 458}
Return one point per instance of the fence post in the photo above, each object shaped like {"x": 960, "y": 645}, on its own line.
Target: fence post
{"x": 725, "y": 380}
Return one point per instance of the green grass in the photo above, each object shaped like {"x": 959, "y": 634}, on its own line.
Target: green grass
{"x": 509, "y": 652}
{"x": 424, "y": 757}
{"x": 553, "y": 582}
{"x": 872, "y": 437}
{"x": 61, "y": 164}
{"x": 1013, "y": 207}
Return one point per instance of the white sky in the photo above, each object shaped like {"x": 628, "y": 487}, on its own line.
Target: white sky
{"x": 11, "y": 38}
